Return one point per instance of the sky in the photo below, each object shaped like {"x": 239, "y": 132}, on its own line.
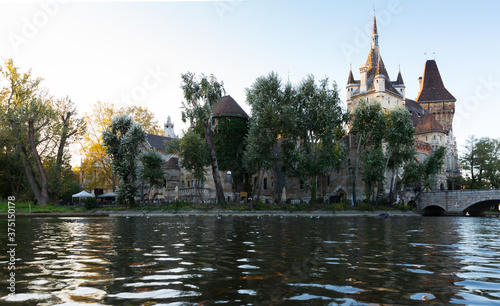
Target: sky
{"x": 133, "y": 53}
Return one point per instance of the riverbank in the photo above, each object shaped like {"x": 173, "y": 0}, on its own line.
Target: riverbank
{"x": 218, "y": 213}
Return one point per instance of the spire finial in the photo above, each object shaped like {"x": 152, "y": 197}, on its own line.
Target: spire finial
{"x": 374, "y": 32}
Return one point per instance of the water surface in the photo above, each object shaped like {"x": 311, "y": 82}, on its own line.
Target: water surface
{"x": 255, "y": 261}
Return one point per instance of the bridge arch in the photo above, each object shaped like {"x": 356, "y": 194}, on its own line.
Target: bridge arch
{"x": 433, "y": 210}
{"x": 479, "y": 208}
{"x": 458, "y": 202}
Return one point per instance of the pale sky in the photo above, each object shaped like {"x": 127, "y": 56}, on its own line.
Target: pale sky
{"x": 133, "y": 53}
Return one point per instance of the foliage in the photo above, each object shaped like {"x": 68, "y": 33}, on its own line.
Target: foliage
{"x": 121, "y": 140}
{"x": 481, "y": 162}
{"x": 96, "y": 166}
{"x": 39, "y": 126}
{"x": 200, "y": 96}
{"x": 268, "y": 97}
{"x": 194, "y": 152}
{"x": 313, "y": 127}
{"x": 229, "y": 140}
{"x": 90, "y": 203}
{"x": 373, "y": 162}
{"x": 422, "y": 175}
{"x": 152, "y": 170}
{"x": 399, "y": 142}
{"x": 367, "y": 128}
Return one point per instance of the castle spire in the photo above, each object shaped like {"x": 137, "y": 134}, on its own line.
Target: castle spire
{"x": 374, "y": 32}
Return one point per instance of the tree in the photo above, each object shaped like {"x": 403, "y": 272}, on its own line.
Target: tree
{"x": 69, "y": 129}
{"x": 200, "y": 97}
{"x": 96, "y": 164}
{"x": 368, "y": 125}
{"x": 399, "y": 142}
{"x": 422, "y": 175}
{"x": 40, "y": 127}
{"x": 481, "y": 161}
{"x": 152, "y": 171}
{"x": 313, "y": 127}
{"x": 121, "y": 140}
{"x": 373, "y": 162}
{"x": 194, "y": 154}
{"x": 267, "y": 97}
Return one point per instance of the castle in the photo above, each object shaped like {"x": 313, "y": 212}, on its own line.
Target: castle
{"x": 431, "y": 113}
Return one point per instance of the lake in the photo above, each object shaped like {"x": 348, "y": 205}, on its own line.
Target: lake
{"x": 193, "y": 260}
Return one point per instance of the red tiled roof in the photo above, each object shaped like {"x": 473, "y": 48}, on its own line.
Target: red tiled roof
{"x": 433, "y": 89}
{"x": 227, "y": 107}
{"x": 427, "y": 124}
{"x": 422, "y": 146}
{"x": 172, "y": 163}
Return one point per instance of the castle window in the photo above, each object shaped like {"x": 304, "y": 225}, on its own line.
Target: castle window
{"x": 228, "y": 177}
{"x": 183, "y": 184}
{"x": 265, "y": 183}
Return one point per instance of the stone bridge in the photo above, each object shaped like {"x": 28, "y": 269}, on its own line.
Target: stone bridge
{"x": 457, "y": 202}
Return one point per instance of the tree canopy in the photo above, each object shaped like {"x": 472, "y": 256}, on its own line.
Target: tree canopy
{"x": 122, "y": 141}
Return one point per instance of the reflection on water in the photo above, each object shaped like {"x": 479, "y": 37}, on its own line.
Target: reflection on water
{"x": 250, "y": 260}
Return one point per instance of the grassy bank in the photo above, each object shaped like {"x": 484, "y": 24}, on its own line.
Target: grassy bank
{"x": 186, "y": 206}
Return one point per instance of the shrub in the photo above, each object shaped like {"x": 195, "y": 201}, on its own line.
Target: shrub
{"x": 90, "y": 203}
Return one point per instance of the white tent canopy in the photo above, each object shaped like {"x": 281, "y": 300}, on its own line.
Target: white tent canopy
{"x": 82, "y": 194}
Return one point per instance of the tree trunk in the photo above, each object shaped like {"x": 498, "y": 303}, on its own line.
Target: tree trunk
{"x": 65, "y": 135}
{"x": 42, "y": 200}
{"x": 355, "y": 175}
{"x": 215, "y": 166}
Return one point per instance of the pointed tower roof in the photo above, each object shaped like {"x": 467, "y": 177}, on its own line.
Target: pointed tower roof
{"x": 374, "y": 32}
{"x": 428, "y": 124}
{"x": 433, "y": 89}
{"x": 350, "y": 79}
{"x": 227, "y": 107}
{"x": 399, "y": 80}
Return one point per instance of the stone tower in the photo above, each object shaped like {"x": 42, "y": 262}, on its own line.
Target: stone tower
{"x": 435, "y": 98}
{"x": 169, "y": 128}
{"x": 374, "y": 83}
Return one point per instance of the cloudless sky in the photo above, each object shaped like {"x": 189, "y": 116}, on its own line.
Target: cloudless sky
{"x": 133, "y": 53}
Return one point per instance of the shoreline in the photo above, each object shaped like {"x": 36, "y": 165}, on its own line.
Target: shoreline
{"x": 213, "y": 213}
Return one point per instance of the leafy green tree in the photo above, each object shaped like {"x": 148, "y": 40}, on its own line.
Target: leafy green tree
{"x": 121, "y": 140}
{"x": 39, "y": 126}
{"x": 152, "y": 171}
{"x": 481, "y": 162}
{"x": 200, "y": 97}
{"x": 373, "y": 162}
{"x": 399, "y": 142}
{"x": 313, "y": 127}
{"x": 422, "y": 175}
{"x": 194, "y": 155}
{"x": 367, "y": 129}
{"x": 268, "y": 97}
{"x": 96, "y": 164}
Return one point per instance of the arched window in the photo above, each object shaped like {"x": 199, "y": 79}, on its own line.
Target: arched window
{"x": 183, "y": 184}
{"x": 265, "y": 183}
